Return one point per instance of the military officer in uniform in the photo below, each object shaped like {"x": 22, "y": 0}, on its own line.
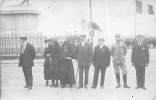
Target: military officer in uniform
{"x": 140, "y": 59}
{"x": 27, "y": 56}
{"x": 118, "y": 52}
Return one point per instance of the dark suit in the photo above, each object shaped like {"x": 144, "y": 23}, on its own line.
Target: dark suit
{"x": 101, "y": 60}
{"x": 26, "y": 61}
{"x": 84, "y": 56}
{"x": 140, "y": 58}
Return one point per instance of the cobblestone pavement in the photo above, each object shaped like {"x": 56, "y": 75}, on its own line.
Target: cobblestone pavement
{"x": 12, "y": 82}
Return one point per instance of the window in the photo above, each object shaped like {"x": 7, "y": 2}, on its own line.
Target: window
{"x": 150, "y": 10}
{"x": 138, "y": 6}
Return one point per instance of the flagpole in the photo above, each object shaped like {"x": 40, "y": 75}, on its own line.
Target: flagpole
{"x": 90, "y": 10}
{"x": 134, "y": 17}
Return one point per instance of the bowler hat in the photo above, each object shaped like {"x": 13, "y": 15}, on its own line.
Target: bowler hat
{"x": 23, "y": 38}
{"x": 117, "y": 36}
{"x": 101, "y": 39}
{"x": 47, "y": 40}
{"x": 139, "y": 36}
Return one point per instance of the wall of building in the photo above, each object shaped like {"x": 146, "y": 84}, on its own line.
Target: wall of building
{"x": 16, "y": 19}
{"x": 113, "y": 17}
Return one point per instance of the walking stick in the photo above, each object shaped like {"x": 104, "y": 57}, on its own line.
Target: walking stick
{"x": 77, "y": 72}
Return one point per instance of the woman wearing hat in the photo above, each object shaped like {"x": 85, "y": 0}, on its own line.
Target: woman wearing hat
{"x": 68, "y": 54}
{"x": 46, "y": 62}
{"x": 52, "y": 53}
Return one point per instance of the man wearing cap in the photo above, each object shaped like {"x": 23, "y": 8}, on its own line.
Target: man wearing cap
{"x": 27, "y": 56}
{"x": 118, "y": 52}
{"x": 140, "y": 59}
{"x": 84, "y": 56}
{"x": 101, "y": 61}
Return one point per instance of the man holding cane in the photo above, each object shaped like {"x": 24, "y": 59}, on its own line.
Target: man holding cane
{"x": 27, "y": 56}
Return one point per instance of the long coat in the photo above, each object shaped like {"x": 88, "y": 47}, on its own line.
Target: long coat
{"x": 27, "y": 57}
{"x": 47, "y": 73}
{"x": 68, "y": 52}
{"x": 84, "y": 54}
{"x": 140, "y": 54}
{"x": 101, "y": 56}
{"x": 54, "y": 57}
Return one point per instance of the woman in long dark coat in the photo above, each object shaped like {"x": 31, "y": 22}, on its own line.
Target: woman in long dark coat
{"x": 46, "y": 64}
{"x": 54, "y": 54}
{"x": 68, "y": 54}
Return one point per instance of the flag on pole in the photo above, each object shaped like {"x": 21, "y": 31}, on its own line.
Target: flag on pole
{"x": 138, "y": 6}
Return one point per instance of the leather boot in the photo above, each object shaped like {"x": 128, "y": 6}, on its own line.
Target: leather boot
{"x": 118, "y": 80}
{"x": 125, "y": 81}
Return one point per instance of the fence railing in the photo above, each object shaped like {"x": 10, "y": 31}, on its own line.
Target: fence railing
{"x": 10, "y": 44}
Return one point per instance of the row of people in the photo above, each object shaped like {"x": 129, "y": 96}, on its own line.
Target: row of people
{"x": 58, "y": 64}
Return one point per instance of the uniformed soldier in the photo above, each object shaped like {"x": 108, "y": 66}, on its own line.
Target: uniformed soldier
{"x": 140, "y": 59}
{"x": 118, "y": 52}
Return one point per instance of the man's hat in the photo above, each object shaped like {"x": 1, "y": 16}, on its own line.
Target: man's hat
{"x": 47, "y": 40}
{"x": 117, "y": 36}
{"x": 101, "y": 39}
{"x": 23, "y": 38}
{"x": 82, "y": 37}
{"x": 139, "y": 36}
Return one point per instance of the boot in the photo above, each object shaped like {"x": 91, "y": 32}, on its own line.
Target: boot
{"x": 56, "y": 83}
{"x": 118, "y": 81}
{"x": 85, "y": 86}
{"x": 125, "y": 81}
{"x": 53, "y": 83}
{"x": 47, "y": 82}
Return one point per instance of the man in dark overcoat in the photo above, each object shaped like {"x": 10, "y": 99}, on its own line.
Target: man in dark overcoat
{"x": 27, "y": 56}
{"x": 84, "y": 55}
{"x": 101, "y": 61}
{"x": 140, "y": 59}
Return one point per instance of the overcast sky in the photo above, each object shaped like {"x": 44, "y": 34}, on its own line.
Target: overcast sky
{"x": 113, "y": 16}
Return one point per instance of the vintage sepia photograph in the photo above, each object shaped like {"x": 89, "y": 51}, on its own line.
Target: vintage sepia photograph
{"x": 77, "y": 49}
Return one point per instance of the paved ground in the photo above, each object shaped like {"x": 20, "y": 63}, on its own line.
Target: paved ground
{"x": 13, "y": 82}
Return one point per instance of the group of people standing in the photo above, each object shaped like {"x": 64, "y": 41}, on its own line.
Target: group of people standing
{"x": 58, "y": 65}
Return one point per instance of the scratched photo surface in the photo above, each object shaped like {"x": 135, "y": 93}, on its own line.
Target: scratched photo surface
{"x": 78, "y": 49}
